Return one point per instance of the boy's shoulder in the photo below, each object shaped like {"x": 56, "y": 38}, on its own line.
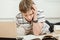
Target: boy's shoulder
{"x": 19, "y": 16}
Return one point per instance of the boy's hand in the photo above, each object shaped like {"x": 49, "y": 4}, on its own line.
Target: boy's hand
{"x": 36, "y": 27}
{"x": 34, "y": 10}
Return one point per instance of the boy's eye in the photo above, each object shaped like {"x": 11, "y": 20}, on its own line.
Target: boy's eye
{"x": 25, "y": 15}
{"x": 30, "y": 14}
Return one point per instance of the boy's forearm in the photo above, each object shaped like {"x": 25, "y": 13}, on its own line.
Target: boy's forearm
{"x": 37, "y": 27}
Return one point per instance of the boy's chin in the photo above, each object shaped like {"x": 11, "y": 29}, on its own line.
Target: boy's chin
{"x": 29, "y": 20}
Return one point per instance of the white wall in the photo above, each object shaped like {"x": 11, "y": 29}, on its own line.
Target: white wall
{"x": 9, "y": 8}
{"x": 51, "y": 7}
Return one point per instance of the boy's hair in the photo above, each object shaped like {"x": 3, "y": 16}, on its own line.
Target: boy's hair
{"x": 25, "y": 5}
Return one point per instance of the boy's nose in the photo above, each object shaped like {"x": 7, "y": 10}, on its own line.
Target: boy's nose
{"x": 28, "y": 17}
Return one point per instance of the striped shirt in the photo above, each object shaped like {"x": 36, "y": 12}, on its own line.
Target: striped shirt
{"x": 27, "y": 26}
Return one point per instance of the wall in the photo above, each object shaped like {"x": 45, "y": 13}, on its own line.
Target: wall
{"x": 9, "y": 8}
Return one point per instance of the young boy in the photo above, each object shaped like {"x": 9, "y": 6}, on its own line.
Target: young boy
{"x": 30, "y": 20}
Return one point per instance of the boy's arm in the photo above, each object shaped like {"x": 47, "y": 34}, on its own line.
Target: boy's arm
{"x": 17, "y": 20}
{"x": 37, "y": 28}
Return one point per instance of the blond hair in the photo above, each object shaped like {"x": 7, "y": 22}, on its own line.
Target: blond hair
{"x": 25, "y": 5}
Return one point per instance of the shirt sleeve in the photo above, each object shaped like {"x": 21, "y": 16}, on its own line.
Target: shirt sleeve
{"x": 18, "y": 19}
{"x": 41, "y": 17}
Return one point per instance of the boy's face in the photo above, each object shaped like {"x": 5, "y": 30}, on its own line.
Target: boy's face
{"x": 28, "y": 15}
